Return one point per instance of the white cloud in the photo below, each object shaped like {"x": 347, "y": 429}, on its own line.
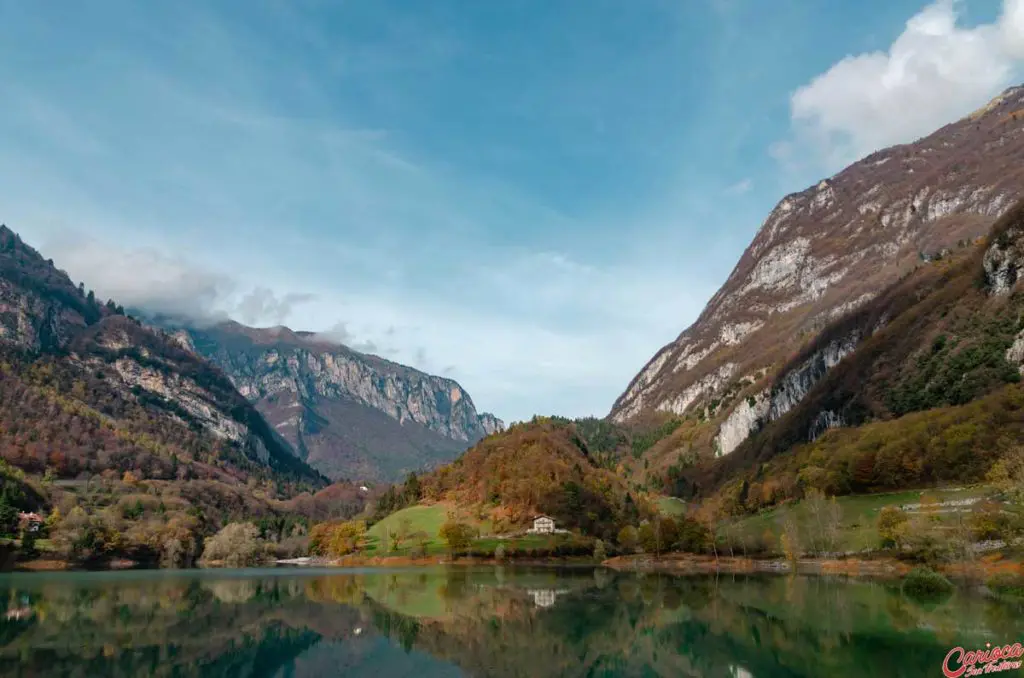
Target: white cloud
{"x": 153, "y": 281}
{"x": 216, "y": 194}
{"x": 262, "y": 305}
{"x": 936, "y": 71}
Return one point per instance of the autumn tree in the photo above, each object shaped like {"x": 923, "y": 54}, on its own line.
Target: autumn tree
{"x": 659, "y": 535}
{"x": 346, "y": 537}
{"x": 1007, "y": 475}
{"x": 825, "y": 518}
{"x": 235, "y": 545}
{"x": 628, "y": 538}
{"x": 892, "y": 526}
{"x": 457, "y": 535}
{"x": 791, "y": 539}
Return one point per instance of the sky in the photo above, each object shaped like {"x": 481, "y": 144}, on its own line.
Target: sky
{"x": 528, "y": 196}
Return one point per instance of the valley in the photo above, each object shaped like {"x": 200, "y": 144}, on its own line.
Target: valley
{"x": 832, "y": 396}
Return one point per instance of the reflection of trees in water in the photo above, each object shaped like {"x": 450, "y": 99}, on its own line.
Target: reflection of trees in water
{"x": 166, "y": 627}
{"x": 714, "y": 626}
{"x": 485, "y": 621}
{"x": 231, "y": 590}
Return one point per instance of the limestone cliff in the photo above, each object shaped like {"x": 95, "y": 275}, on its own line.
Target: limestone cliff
{"x": 822, "y": 254}
{"x": 96, "y": 365}
{"x": 348, "y": 414}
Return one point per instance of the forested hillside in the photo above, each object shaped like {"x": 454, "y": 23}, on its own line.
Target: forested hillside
{"x": 540, "y": 467}
{"x": 128, "y": 444}
{"x": 930, "y": 394}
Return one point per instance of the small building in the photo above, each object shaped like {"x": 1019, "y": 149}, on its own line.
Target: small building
{"x": 29, "y": 522}
{"x": 542, "y": 525}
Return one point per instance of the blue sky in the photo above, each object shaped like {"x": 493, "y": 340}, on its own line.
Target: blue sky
{"x": 529, "y": 196}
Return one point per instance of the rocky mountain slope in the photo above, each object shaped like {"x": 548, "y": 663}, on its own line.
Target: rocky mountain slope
{"x": 931, "y": 392}
{"x": 348, "y": 414}
{"x": 821, "y": 255}
{"x": 86, "y": 389}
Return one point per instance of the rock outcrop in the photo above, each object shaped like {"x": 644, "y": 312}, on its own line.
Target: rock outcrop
{"x": 827, "y": 251}
{"x": 349, "y": 414}
{"x": 45, "y": 319}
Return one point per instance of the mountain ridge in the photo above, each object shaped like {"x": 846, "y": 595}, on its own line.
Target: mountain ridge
{"x": 821, "y": 254}
{"x": 120, "y": 381}
{"x": 350, "y": 414}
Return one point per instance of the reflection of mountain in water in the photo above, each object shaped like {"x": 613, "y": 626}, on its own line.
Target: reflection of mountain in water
{"x": 480, "y": 622}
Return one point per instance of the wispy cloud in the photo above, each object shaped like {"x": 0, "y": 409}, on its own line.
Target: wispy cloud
{"x": 193, "y": 166}
{"x": 740, "y": 187}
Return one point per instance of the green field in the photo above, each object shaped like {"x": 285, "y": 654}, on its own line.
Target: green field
{"x": 429, "y": 519}
{"x": 860, "y": 514}
{"x": 426, "y": 519}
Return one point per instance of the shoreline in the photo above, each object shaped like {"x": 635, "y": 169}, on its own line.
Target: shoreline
{"x": 883, "y": 567}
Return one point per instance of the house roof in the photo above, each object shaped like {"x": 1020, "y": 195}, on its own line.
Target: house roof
{"x": 543, "y": 516}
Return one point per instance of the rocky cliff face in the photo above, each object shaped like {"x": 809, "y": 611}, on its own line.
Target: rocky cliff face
{"x": 827, "y": 251}
{"x": 349, "y": 414}
{"x": 124, "y": 375}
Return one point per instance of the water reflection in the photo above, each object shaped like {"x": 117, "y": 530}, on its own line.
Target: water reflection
{"x": 479, "y": 622}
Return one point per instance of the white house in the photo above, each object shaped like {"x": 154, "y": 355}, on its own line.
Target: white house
{"x": 542, "y": 525}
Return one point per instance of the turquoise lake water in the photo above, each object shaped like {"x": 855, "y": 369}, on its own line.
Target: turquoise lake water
{"x": 481, "y": 621}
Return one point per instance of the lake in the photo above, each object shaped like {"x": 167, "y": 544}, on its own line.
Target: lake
{"x": 481, "y": 621}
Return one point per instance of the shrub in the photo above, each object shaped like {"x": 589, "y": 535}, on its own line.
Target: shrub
{"x": 337, "y": 538}
{"x": 1009, "y": 585}
{"x": 499, "y": 552}
{"x": 235, "y": 545}
{"x": 457, "y": 535}
{"x": 629, "y": 537}
{"x": 923, "y": 582}
{"x": 892, "y": 526}
{"x": 599, "y": 552}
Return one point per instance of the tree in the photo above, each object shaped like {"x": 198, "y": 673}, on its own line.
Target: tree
{"x": 499, "y": 552}
{"x": 825, "y": 517}
{"x": 235, "y": 545}
{"x": 402, "y": 533}
{"x": 599, "y": 552}
{"x": 1007, "y": 475}
{"x": 791, "y": 542}
{"x": 347, "y": 537}
{"x": 82, "y": 537}
{"x": 892, "y": 526}
{"x": 412, "y": 491}
{"x": 628, "y": 538}
{"x": 988, "y": 521}
{"x": 28, "y": 542}
{"x": 693, "y": 535}
{"x": 8, "y": 517}
{"x": 658, "y": 535}
{"x": 711, "y": 515}
{"x": 420, "y": 541}
{"x": 457, "y": 535}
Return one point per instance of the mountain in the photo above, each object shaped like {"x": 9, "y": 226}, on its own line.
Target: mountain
{"x": 930, "y": 394}
{"x": 348, "y": 414}
{"x": 826, "y": 254}
{"x": 85, "y": 389}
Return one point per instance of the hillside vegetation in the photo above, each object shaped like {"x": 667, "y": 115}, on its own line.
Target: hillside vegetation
{"x": 931, "y": 395}
{"x": 126, "y": 444}
{"x": 544, "y": 466}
